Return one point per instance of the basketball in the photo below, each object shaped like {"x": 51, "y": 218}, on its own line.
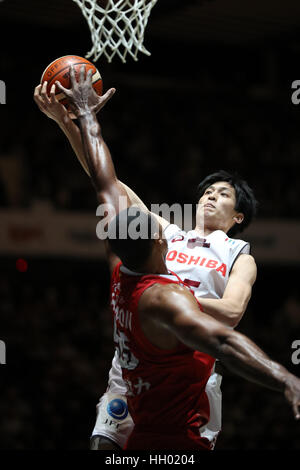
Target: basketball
{"x": 59, "y": 70}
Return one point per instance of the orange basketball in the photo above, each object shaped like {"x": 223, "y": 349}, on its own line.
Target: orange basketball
{"x": 59, "y": 70}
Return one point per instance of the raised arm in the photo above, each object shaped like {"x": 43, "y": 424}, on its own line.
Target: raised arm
{"x": 232, "y": 306}
{"x": 174, "y": 309}
{"x": 96, "y": 153}
{"x": 51, "y": 107}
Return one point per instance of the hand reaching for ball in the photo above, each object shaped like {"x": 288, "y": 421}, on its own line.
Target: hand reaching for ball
{"x": 50, "y": 105}
{"x": 82, "y": 97}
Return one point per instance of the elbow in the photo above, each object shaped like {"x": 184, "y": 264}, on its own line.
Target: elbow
{"x": 236, "y": 314}
{"x": 234, "y": 319}
{"x": 217, "y": 340}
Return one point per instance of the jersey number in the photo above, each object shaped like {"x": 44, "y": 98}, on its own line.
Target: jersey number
{"x": 126, "y": 357}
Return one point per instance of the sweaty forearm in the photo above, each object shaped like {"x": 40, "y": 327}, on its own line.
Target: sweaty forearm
{"x": 246, "y": 359}
{"x": 96, "y": 152}
{"x": 236, "y": 351}
{"x": 73, "y": 134}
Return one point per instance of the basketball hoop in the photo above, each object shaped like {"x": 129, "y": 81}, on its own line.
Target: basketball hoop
{"x": 117, "y": 26}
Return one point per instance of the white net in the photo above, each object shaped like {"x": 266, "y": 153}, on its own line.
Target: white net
{"x": 118, "y": 28}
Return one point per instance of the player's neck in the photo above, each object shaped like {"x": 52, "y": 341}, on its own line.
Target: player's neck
{"x": 204, "y": 231}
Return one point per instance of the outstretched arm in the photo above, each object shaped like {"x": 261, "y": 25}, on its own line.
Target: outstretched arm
{"x": 97, "y": 155}
{"x": 51, "y": 107}
{"x": 176, "y": 310}
{"x": 99, "y": 165}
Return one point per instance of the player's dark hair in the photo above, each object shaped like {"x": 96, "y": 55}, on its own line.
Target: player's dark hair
{"x": 245, "y": 199}
{"x": 131, "y": 236}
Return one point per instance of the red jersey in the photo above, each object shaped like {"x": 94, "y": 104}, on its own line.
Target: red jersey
{"x": 165, "y": 388}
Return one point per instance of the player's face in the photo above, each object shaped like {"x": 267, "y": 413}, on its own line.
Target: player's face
{"x": 218, "y": 206}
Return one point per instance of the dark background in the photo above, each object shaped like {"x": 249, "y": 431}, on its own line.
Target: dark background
{"x": 215, "y": 93}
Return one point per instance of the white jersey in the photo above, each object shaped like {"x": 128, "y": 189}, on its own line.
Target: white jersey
{"x": 205, "y": 265}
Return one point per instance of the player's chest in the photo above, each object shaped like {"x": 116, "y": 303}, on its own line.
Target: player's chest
{"x": 202, "y": 256}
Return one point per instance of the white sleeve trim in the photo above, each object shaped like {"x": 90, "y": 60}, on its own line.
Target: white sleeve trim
{"x": 245, "y": 250}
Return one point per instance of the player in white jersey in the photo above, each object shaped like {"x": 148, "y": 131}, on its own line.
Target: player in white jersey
{"x": 219, "y": 269}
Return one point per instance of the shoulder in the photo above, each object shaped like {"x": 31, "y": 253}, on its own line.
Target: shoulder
{"x": 237, "y": 244}
{"x": 172, "y": 230}
{"x": 158, "y": 293}
{"x": 163, "y": 298}
{"x": 245, "y": 264}
{"x": 233, "y": 244}
{"x": 245, "y": 260}
{"x": 237, "y": 248}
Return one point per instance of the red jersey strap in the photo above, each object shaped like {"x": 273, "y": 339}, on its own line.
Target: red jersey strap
{"x": 156, "y": 279}
{"x": 115, "y": 275}
{"x": 116, "y": 269}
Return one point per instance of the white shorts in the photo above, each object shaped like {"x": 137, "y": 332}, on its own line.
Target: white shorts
{"x": 113, "y": 419}
{"x": 213, "y": 391}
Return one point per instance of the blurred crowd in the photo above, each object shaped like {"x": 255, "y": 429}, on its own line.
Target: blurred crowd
{"x": 58, "y": 333}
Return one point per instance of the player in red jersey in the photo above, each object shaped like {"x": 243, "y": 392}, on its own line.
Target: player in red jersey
{"x": 158, "y": 325}
{"x": 167, "y": 316}
{"x": 165, "y": 379}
